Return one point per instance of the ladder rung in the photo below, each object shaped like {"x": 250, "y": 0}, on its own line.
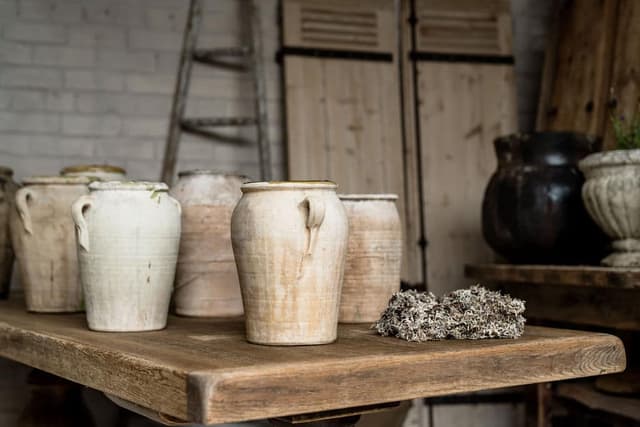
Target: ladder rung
{"x": 217, "y": 121}
{"x": 207, "y": 54}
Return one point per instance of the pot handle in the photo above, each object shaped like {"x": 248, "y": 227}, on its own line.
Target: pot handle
{"x": 23, "y": 197}
{"x": 315, "y": 216}
{"x": 77, "y": 212}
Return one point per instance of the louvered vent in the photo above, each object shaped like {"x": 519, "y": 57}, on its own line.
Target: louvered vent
{"x": 349, "y": 28}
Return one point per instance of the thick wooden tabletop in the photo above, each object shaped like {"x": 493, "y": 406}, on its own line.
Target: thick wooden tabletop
{"x": 570, "y": 275}
{"x": 202, "y": 370}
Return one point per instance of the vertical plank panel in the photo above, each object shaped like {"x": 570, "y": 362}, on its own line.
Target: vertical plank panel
{"x": 575, "y": 88}
{"x": 463, "y": 106}
{"x": 344, "y": 121}
{"x": 625, "y": 82}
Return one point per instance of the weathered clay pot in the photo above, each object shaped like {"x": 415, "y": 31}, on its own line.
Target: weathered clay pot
{"x": 128, "y": 237}
{"x": 532, "y": 210}
{"x": 611, "y": 194}
{"x": 289, "y": 241}
{"x": 374, "y": 254}
{"x": 44, "y": 242}
{"x": 97, "y": 172}
{"x": 206, "y": 276}
{"x": 7, "y": 204}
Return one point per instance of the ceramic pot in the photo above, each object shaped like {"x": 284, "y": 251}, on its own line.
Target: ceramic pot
{"x": 374, "y": 255}
{"x": 612, "y": 197}
{"x": 532, "y": 210}
{"x": 206, "y": 276}
{"x": 289, "y": 241}
{"x": 8, "y": 189}
{"x": 44, "y": 242}
{"x": 96, "y": 172}
{"x": 128, "y": 236}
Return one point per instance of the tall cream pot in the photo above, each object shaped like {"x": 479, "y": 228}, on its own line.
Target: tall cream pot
{"x": 206, "y": 276}
{"x": 44, "y": 242}
{"x": 289, "y": 241}
{"x": 374, "y": 252}
{"x": 128, "y": 235}
{"x": 8, "y": 189}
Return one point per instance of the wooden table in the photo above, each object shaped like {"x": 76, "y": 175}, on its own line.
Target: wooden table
{"x": 579, "y": 295}
{"x": 203, "y": 371}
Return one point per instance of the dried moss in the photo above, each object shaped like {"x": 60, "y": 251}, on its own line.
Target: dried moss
{"x": 474, "y": 313}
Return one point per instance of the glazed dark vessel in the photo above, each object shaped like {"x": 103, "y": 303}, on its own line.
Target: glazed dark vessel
{"x": 532, "y": 210}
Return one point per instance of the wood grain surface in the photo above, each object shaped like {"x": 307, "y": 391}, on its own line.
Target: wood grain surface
{"x": 203, "y": 370}
{"x": 588, "y": 276}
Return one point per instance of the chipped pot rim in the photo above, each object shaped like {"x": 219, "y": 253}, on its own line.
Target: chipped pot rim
{"x": 56, "y": 180}
{"x": 288, "y": 185}
{"x": 92, "y": 168}
{"x": 211, "y": 172}
{"x": 128, "y": 186}
{"x": 610, "y": 158}
{"x": 369, "y": 197}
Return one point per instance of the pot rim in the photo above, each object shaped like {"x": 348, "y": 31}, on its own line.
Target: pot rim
{"x": 128, "y": 186}
{"x": 288, "y": 185}
{"x": 56, "y": 180}
{"x": 211, "y": 172}
{"x": 369, "y": 197}
{"x": 610, "y": 158}
{"x": 92, "y": 168}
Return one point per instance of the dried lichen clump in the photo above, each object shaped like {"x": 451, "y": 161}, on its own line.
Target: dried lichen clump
{"x": 473, "y": 313}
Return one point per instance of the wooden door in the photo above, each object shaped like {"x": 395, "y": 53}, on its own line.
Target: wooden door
{"x": 466, "y": 97}
{"x": 343, "y": 99}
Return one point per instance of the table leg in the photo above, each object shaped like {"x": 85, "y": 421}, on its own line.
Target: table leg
{"x": 337, "y": 422}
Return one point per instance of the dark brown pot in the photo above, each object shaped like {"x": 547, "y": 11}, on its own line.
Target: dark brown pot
{"x": 7, "y": 194}
{"x": 532, "y": 210}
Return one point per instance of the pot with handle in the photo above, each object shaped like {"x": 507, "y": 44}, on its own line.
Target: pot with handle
{"x": 128, "y": 235}
{"x": 289, "y": 241}
{"x": 44, "y": 242}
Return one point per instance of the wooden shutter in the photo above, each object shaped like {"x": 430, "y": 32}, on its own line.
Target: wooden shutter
{"x": 343, "y": 104}
{"x": 466, "y": 98}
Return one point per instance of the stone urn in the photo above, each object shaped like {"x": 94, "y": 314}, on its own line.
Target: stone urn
{"x": 611, "y": 195}
{"x": 289, "y": 240}
{"x": 128, "y": 235}
{"x": 532, "y": 212}
{"x": 206, "y": 276}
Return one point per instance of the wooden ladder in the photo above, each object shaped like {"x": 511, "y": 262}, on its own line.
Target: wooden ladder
{"x": 251, "y": 60}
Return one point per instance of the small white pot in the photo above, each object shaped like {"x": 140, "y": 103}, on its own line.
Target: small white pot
{"x": 289, "y": 241}
{"x": 374, "y": 256}
{"x": 128, "y": 235}
{"x": 96, "y": 172}
{"x": 611, "y": 195}
{"x": 206, "y": 277}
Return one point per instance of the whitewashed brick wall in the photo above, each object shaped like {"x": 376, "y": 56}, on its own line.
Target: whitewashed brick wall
{"x": 92, "y": 81}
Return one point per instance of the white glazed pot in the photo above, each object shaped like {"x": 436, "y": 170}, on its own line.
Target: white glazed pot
{"x": 611, "y": 195}
{"x": 374, "y": 254}
{"x": 206, "y": 276}
{"x": 44, "y": 242}
{"x": 96, "y": 172}
{"x": 8, "y": 190}
{"x": 128, "y": 236}
{"x": 289, "y": 241}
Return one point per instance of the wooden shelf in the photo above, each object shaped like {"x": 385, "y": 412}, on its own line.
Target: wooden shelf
{"x": 203, "y": 370}
{"x": 589, "y": 276}
{"x": 579, "y": 295}
{"x": 587, "y": 395}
